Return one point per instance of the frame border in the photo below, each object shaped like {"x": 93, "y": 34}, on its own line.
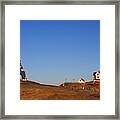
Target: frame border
{"x": 61, "y": 2}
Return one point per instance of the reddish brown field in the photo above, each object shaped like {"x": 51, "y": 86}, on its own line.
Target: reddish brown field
{"x": 71, "y": 91}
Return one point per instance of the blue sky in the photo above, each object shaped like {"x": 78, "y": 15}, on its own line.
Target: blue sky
{"x": 54, "y": 50}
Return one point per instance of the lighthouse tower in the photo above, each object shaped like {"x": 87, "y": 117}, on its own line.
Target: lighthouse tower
{"x": 22, "y": 73}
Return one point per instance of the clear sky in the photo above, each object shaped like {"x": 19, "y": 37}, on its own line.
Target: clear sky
{"x": 54, "y": 50}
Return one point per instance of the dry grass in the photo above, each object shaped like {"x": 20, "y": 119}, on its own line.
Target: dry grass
{"x": 34, "y": 91}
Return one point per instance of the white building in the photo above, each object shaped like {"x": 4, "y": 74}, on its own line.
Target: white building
{"x": 96, "y": 76}
{"x": 81, "y": 80}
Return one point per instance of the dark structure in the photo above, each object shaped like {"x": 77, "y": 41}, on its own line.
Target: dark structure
{"x": 22, "y": 72}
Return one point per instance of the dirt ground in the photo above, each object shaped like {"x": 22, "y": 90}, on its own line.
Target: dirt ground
{"x": 30, "y": 90}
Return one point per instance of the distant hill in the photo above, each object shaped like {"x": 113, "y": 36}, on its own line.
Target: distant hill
{"x": 30, "y": 90}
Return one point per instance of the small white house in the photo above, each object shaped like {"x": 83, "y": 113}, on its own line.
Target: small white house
{"x": 81, "y": 80}
{"x": 96, "y": 75}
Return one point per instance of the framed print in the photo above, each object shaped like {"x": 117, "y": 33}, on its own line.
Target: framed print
{"x": 60, "y": 59}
